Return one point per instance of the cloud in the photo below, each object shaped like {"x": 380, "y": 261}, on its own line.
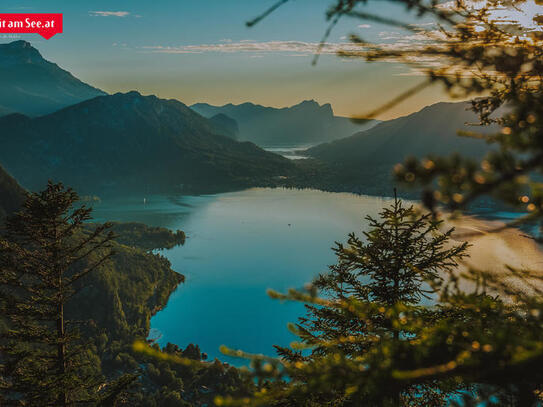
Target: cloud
{"x": 109, "y": 13}
{"x": 409, "y": 45}
{"x": 292, "y": 48}
{"x": 257, "y": 49}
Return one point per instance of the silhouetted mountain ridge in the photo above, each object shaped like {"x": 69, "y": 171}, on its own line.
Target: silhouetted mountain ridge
{"x": 432, "y": 130}
{"x": 34, "y": 86}
{"x": 363, "y": 162}
{"x": 132, "y": 143}
{"x": 305, "y": 123}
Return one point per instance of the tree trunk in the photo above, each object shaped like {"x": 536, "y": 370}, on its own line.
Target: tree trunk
{"x": 61, "y": 333}
{"x": 61, "y": 351}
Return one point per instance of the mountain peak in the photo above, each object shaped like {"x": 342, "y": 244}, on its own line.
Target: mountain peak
{"x": 328, "y": 107}
{"x": 313, "y": 105}
{"x": 307, "y": 122}
{"x": 307, "y": 103}
{"x": 418, "y": 134}
{"x": 19, "y": 52}
{"x": 19, "y": 44}
{"x": 133, "y": 94}
{"x": 34, "y": 86}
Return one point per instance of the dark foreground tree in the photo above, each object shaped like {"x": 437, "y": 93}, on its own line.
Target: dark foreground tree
{"x": 489, "y": 338}
{"x": 401, "y": 258}
{"x": 392, "y": 266}
{"x": 43, "y": 253}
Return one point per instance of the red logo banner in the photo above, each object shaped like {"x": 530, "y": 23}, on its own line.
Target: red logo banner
{"x": 45, "y": 25}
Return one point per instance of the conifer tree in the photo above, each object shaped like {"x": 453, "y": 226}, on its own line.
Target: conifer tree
{"x": 44, "y": 252}
{"x": 401, "y": 251}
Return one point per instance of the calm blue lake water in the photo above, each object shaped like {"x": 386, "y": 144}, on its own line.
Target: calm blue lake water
{"x": 239, "y": 245}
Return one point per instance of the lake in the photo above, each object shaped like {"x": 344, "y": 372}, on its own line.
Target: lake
{"x": 238, "y": 245}
{"x": 289, "y": 151}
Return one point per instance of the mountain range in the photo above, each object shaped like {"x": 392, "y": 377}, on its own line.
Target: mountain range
{"x": 99, "y": 143}
{"x": 34, "y": 86}
{"x": 306, "y": 123}
{"x": 132, "y": 143}
{"x": 432, "y": 130}
{"x": 363, "y": 162}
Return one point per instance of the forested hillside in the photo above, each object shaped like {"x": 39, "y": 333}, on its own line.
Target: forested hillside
{"x": 129, "y": 143}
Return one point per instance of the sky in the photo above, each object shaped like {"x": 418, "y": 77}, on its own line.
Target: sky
{"x": 202, "y": 51}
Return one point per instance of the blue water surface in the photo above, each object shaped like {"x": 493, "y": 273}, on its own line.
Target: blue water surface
{"x": 239, "y": 245}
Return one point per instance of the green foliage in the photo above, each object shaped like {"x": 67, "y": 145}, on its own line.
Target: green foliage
{"x": 504, "y": 64}
{"x": 111, "y": 306}
{"x": 478, "y": 343}
{"x": 486, "y": 342}
{"x": 178, "y": 377}
{"x": 41, "y": 256}
{"x": 368, "y": 299}
{"x": 400, "y": 252}
{"x": 146, "y": 237}
{"x": 117, "y": 302}
{"x": 121, "y": 298}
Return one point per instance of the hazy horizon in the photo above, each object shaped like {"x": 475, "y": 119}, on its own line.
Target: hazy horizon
{"x": 203, "y": 52}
